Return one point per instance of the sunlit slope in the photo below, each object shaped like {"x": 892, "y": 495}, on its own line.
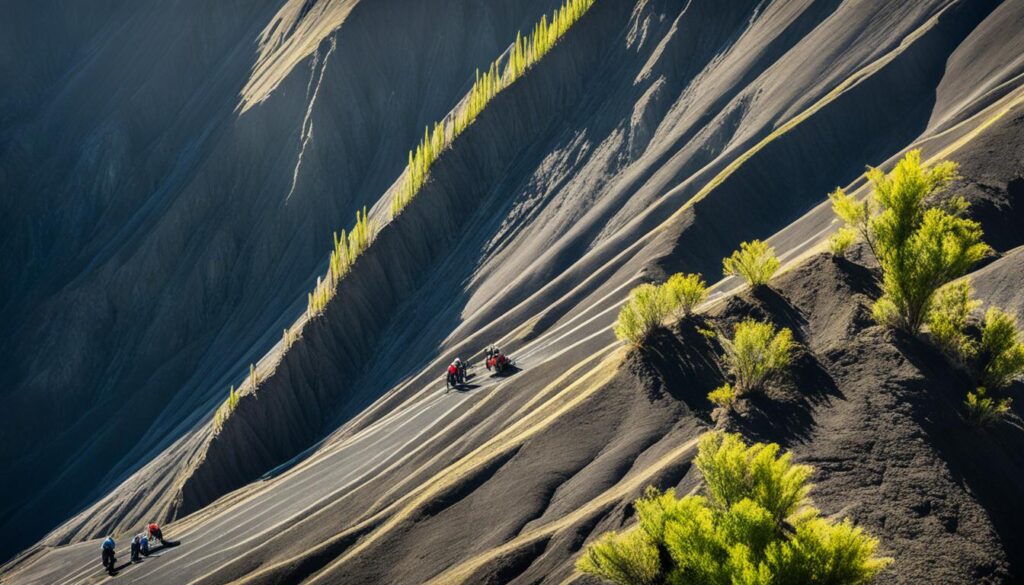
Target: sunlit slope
{"x": 156, "y": 240}
{"x": 654, "y": 138}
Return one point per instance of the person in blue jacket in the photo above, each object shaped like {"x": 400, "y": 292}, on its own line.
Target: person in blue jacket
{"x": 107, "y": 549}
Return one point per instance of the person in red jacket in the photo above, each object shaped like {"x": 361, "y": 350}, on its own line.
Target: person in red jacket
{"x": 155, "y": 533}
{"x": 453, "y": 376}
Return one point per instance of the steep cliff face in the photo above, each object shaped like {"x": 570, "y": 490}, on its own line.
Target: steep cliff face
{"x": 654, "y": 138}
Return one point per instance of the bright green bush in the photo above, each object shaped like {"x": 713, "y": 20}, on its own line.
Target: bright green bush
{"x": 757, "y": 352}
{"x": 724, "y": 396}
{"x": 649, "y": 305}
{"x": 841, "y": 241}
{"x": 983, "y": 410}
{"x": 524, "y": 53}
{"x": 755, "y": 526}
{"x": 645, "y": 310}
{"x": 684, "y": 292}
{"x": 919, "y": 244}
{"x": 947, "y": 321}
{"x": 1002, "y": 352}
{"x": 755, "y": 262}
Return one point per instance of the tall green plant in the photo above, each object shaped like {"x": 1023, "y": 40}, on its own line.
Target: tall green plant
{"x": 755, "y": 526}
{"x": 919, "y": 243}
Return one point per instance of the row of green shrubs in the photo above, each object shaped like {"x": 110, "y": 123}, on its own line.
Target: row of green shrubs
{"x": 524, "y": 53}
{"x": 347, "y": 247}
{"x": 503, "y": 72}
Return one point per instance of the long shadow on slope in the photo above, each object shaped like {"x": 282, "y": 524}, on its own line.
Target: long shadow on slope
{"x": 988, "y": 463}
{"x": 679, "y": 362}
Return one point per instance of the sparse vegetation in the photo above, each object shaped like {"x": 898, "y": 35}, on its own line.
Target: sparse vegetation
{"x": 983, "y": 410}
{"x": 225, "y": 410}
{"x": 1002, "y": 352}
{"x": 649, "y": 305}
{"x": 756, "y": 353}
{"x": 684, "y": 292}
{"x": 919, "y": 243}
{"x": 289, "y": 337}
{"x": 756, "y": 525}
{"x": 755, "y": 262}
{"x": 347, "y": 248}
{"x": 646, "y": 308}
{"x": 524, "y": 53}
{"x": 841, "y": 241}
{"x": 724, "y": 396}
{"x": 947, "y": 321}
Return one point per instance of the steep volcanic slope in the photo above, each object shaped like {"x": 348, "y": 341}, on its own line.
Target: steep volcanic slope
{"x": 155, "y": 241}
{"x": 655, "y": 137}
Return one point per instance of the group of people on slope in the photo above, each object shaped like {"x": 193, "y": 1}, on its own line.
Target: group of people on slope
{"x": 139, "y": 546}
{"x": 494, "y": 359}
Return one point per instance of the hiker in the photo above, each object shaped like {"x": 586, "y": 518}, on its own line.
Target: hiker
{"x": 461, "y": 367}
{"x": 155, "y": 534}
{"x": 498, "y": 361}
{"x": 107, "y": 550}
{"x": 136, "y": 548}
{"x": 453, "y": 376}
{"x": 144, "y": 544}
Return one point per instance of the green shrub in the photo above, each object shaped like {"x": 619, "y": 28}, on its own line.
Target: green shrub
{"x": 756, "y": 525}
{"x": 645, "y": 310}
{"x": 684, "y": 292}
{"x": 756, "y": 353}
{"x": 947, "y": 321}
{"x": 755, "y": 262}
{"x": 919, "y": 244}
{"x": 1002, "y": 352}
{"x": 724, "y": 396}
{"x": 649, "y": 305}
{"x": 983, "y": 410}
{"x": 841, "y": 241}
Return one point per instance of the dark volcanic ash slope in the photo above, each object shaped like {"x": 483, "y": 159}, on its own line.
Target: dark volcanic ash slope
{"x": 654, "y": 138}
{"x": 155, "y": 241}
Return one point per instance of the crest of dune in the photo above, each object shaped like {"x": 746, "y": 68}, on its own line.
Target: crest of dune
{"x": 294, "y": 34}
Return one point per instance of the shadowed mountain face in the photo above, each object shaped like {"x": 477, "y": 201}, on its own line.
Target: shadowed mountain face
{"x": 155, "y": 241}
{"x": 172, "y": 172}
